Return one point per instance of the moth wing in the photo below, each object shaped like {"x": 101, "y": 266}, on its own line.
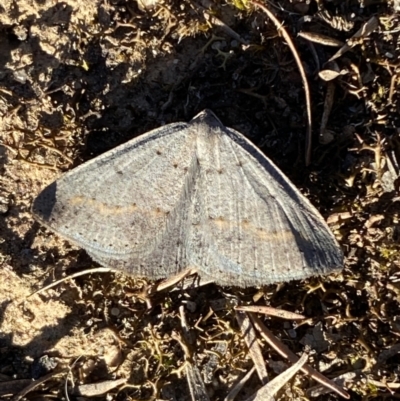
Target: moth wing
{"x": 126, "y": 208}
{"x": 257, "y": 228}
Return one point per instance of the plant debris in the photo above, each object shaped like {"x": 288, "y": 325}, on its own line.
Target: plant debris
{"x": 79, "y": 78}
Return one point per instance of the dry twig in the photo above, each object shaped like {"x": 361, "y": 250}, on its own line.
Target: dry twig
{"x": 268, "y": 310}
{"x": 296, "y": 56}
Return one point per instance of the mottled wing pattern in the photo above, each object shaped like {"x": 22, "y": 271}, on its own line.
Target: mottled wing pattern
{"x": 256, "y": 227}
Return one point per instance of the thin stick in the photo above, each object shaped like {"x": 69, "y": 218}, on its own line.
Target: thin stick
{"x": 296, "y": 56}
{"x": 77, "y": 274}
{"x": 268, "y": 310}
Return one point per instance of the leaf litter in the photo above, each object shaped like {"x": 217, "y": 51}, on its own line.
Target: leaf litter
{"x": 79, "y": 79}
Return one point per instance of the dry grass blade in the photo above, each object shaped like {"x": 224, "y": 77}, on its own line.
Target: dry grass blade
{"x": 250, "y": 337}
{"x": 239, "y": 385}
{"x": 36, "y": 384}
{"x": 197, "y": 389}
{"x": 319, "y": 390}
{"x": 364, "y": 31}
{"x": 184, "y": 324}
{"x": 171, "y": 281}
{"x": 97, "y": 389}
{"x": 285, "y": 352}
{"x": 9, "y": 387}
{"x": 390, "y": 386}
{"x": 218, "y": 23}
{"x": 267, "y": 392}
{"x": 320, "y": 39}
{"x": 296, "y": 56}
{"x": 268, "y": 310}
{"x": 77, "y": 274}
{"x": 324, "y": 136}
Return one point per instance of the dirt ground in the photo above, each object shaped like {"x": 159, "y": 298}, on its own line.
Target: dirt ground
{"x": 78, "y": 78}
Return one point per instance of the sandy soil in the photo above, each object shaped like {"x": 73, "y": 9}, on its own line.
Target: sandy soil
{"x": 78, "y": 78}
